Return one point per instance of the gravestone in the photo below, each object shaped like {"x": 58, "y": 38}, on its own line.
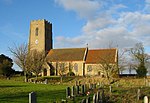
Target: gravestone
{"x": 138, "y": 94}
{"x": 68, "y": 92}
{"x": 83, "y": 101}
{"x": 94, "y": 98}
{"x": 97, "y": 97}
{"x": 110, "y": 88}
{"x": 73, "y": 91}
{"x": 83, "y": 89}
{"x": 102, "y": 96}
{"x": 145, "y": 99}
{"x": 88, "y": 100}
{"x": 46, "y": 81}
{"x": 77, "y": 90}
{"x": 90, "y": 86}
{"x": 32, "y": 97}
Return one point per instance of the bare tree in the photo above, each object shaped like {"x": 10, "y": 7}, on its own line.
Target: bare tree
{"x": 140, "y": 58}
{"x": 109, "y": 67}
{"x": 62, "y": 69}
{"x": 123, "y": 60}
{"x": 35, "y": 61}
{"x": 20, "y": 56}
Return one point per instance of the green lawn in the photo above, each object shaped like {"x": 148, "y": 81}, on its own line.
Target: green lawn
{"x": 15, "y": 91}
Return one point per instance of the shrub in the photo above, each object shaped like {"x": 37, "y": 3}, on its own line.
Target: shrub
{"x": 70, "y": 74}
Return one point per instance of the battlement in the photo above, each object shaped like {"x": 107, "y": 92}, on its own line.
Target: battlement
{"x": 41, "y": 20}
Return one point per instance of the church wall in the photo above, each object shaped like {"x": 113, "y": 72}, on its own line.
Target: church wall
{"x": 93, "y": 70}
{"x": 76, "y": 67}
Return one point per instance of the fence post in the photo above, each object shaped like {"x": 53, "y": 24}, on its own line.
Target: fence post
{"x": 32, "y": 97}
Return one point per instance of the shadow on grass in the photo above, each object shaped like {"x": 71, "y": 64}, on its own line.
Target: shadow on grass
{"x": 42, "y": 97}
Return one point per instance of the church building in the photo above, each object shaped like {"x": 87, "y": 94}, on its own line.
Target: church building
{"x": 80, "y": 61}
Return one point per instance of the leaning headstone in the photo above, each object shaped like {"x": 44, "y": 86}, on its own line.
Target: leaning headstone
{"x": 145, "y": 99}
{"x": 88, "y": 100}
{"x": 94, "y": 98}
{"x": 83, "y": 101}
{"x": 138, "y": 94}
{"x": 32, "y": 97}
{"x": 68, "y": 92}
{"x": 72, "y": 91}
{"x": 77, "y": 90}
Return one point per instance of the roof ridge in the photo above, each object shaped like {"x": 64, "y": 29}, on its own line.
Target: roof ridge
{"x": 67, "y": 48}
{"x": 105, "y": 49}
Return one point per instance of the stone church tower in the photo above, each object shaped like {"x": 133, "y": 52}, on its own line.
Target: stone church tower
{"x": 40, "y": 35}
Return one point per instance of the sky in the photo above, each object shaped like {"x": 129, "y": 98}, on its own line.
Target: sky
{"x": 76, "y": 23}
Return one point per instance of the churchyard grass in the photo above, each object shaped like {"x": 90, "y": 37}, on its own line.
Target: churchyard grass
{"x": 16, "y": 91}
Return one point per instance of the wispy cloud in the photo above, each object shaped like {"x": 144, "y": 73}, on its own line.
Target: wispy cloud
{"x": 8, "y": 2}
{"x": 8, "y": 31}
{"x": 106, "y": 22}
{"x": 84, "y": 8}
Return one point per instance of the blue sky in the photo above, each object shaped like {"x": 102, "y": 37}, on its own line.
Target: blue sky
{"x": 77, "y": 22}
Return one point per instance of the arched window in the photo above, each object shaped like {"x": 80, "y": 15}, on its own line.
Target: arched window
{"x": 76, "y": 67}
{"x": 36, "y": 31}
{"x": 89, "y": 68}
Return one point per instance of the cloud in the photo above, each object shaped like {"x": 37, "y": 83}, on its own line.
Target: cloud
{"x": 8, "y": 31}
{"x": 106, "y": 23}
{"x": 84, "y": 8}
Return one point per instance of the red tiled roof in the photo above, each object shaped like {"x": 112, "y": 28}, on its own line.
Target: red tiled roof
{"x": 69, "y": 54}
{"x": 101, "y": 56}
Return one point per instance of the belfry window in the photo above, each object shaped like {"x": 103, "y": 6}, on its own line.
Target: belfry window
{"x": 36, "y": 31}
